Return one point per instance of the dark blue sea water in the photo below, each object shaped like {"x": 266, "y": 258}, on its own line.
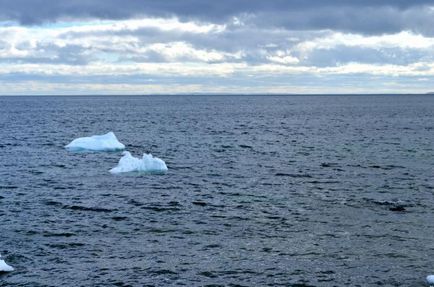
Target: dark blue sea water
{"x": 261, "y": 191}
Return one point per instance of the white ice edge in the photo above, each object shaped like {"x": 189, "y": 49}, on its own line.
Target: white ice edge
{"x": 5, "y": 267}
{"x": 107, "y": 142}
{"x": 147, "y": 163}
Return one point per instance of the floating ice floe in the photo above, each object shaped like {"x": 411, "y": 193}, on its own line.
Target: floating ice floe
{"x": 5, "y": 267}
{"x": 107, "y": 142}
{"x": 147, "y": 163}
{"x": 430, "y": 280}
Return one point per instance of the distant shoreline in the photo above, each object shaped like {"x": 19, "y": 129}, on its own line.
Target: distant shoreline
{"x": 215, "y": 95}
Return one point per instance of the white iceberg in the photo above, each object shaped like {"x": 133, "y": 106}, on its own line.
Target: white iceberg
{"x": 147, "y": 163}
{"x": 107, "y": 142}
{"x": 5, "y": 267}
{"x": 430, "y": 280}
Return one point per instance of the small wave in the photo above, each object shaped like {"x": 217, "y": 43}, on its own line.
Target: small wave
{"x": 161, "y": 208}
{"x": 119, "y": 218}
{"x": 386, "y": 167}
{"x": 66, "y": 245}
{"x": 58, "y": 234}
{"x": 85, "y": 208}
{"x": 199, "y": 203}
{"x": 245, "y": 146}
{"x": 294, "y": 175}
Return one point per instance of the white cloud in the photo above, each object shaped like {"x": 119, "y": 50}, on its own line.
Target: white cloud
{"x": 107, "y": 69}
{"x": 189, "y": 69}
{"x": 99, "y": 37}
{"x": 181, "y": 50}
{"x": 402, "y": 40}
{"x": 40, "y": 88}
{"x": 282, "y": 57}
{"x": 162, "y": 24}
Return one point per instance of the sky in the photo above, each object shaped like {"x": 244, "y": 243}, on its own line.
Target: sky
{"x": 216, "y": 47}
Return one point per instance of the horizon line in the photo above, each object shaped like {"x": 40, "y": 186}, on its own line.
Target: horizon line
{"x": 218, "y": 94}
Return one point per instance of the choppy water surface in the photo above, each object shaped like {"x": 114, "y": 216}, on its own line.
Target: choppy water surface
{"x": 261, "y": 191}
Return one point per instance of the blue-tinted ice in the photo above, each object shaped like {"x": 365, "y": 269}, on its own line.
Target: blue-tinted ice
{"x": 107, "y": 142}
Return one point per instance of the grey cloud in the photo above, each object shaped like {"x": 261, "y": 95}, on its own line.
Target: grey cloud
{"x": 256, "y": 49}
{"x": 343, "y": 55}
{"x": 370, "y": 16}
{"x": 48, "y": 53}
{"x": 365, "y": 20}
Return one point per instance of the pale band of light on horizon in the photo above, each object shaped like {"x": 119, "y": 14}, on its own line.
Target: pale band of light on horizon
{"x": 177, "y": 47}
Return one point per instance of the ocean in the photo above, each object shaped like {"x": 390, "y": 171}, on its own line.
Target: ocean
{"x": 260, "y": 191}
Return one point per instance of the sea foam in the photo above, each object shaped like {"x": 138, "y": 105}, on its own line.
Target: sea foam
{"x": 5, "y": 267}
{"x": 107, "y": 142}
{"x": 147, "y": 163}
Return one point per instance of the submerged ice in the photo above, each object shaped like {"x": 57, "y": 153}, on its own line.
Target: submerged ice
{"x": 5, "y": 267}
{"x": 147, "y": 163}
{"x": 107, "y": 142}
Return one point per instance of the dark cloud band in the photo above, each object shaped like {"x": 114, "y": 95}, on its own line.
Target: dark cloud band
{"x": 369, "y": 16}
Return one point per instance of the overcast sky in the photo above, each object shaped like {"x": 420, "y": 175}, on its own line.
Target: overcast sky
{"x": 224, "y": 46}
